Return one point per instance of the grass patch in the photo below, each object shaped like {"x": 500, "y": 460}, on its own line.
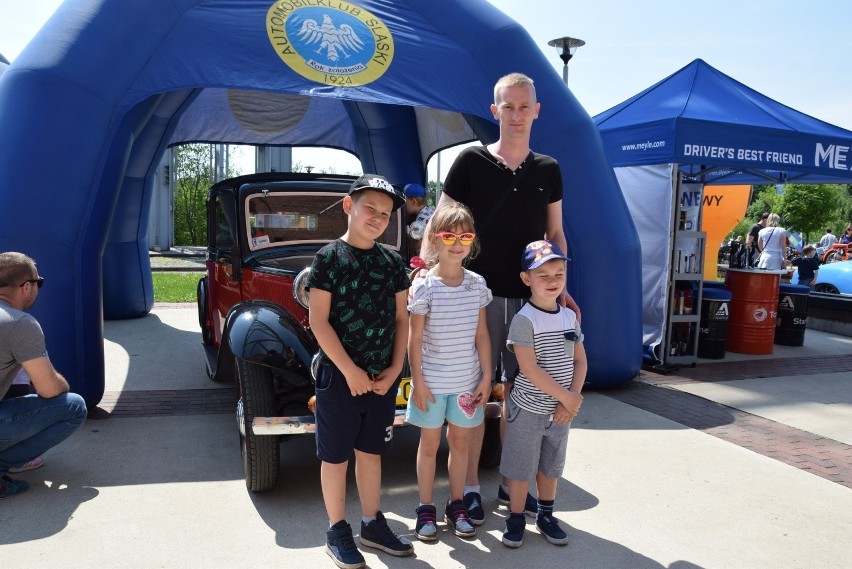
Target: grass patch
{"x": 175, "y": 286}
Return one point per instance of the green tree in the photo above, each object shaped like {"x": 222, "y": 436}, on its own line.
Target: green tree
{"x": 194, "y": 165}
{"x": 809, "y": 208}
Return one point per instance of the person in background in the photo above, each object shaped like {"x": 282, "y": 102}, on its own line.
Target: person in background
{"x": 846, "y": 238}
{"x": 808, "y": 266}
{"x": 772, "y": 243}
{"x": 752, "y": 250}
{"x": 417, "y": 215}
{"x": 33, "y": 423}
{"x": 828, "y": 239}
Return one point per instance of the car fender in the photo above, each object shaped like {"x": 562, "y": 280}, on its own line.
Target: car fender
{"x": 263, "y": 333}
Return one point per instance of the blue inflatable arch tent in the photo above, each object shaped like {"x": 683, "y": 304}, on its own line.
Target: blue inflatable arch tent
{"x": 88, "y": 108}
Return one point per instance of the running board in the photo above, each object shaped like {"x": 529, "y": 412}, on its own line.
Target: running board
{"x": 301, "y": 425}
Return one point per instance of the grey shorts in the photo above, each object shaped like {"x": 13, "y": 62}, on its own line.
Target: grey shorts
{"x": 498, "y": 316}
{"x": 533, "y": 443}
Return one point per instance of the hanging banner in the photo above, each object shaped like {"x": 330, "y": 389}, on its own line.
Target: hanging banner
{"x": 722, "y": 207}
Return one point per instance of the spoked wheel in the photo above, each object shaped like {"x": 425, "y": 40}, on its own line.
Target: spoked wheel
{"x": 257, "y": 399}
{"x": 827, "y": 288}
{"x": 833, "y": 257}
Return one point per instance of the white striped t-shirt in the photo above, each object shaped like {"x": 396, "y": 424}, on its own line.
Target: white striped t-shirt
{"x": 545, "y": 332}
{"x": 450, "y": 360}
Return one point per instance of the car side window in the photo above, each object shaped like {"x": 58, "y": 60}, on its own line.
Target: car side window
{"x": 224, "y": 227}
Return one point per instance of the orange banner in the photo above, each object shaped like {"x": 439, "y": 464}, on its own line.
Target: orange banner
{"x": 721, "y": 209}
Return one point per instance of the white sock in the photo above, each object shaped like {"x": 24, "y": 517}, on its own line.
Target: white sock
{"x": 469, "y": 489}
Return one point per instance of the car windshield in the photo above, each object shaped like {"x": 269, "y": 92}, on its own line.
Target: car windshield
{"x": 293, "y": 218}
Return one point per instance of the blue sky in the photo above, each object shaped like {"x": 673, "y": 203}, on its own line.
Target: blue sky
{"x": 796, "y": 52}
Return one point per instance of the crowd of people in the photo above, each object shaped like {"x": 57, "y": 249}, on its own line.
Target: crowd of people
{"x": 768, "y": 247}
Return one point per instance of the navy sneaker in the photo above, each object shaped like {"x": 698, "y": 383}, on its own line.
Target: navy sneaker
{"x": 426, "y": 528}
{"x": 550, "y": 528}
{"x": 378, "y": 535}
{"x": 475, "y": 513}
{"x": 10, "y": 487}
{"x": 530, "y": 507}
{"x": 340, "y": 546}
{"x": 455, "y": 514}
{"x": 513, "y": 536}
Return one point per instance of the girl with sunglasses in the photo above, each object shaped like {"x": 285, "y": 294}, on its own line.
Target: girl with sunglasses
{"x": 450, "y": 355}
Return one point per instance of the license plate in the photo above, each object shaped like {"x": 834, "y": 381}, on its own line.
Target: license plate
{"x": 403, "y": 392}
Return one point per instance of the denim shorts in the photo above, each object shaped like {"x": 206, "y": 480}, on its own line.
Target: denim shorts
{"x": 445, "y": 407}
{"x": 346, "y": 422}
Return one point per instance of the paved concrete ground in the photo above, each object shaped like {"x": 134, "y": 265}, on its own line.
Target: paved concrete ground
{"x": 737, "y": 463}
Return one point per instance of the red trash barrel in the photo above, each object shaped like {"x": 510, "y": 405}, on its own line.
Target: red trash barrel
{"x": 753, "y": 310}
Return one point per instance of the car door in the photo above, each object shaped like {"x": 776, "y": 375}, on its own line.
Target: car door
{"x": 222, "y": 224}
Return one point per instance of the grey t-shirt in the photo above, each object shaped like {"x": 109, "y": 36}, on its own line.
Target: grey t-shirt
{"x": 21, "y": 340}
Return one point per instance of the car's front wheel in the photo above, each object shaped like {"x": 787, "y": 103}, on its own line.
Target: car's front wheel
{"x": 827, "y": 288}
{"x": 257, "y": 399}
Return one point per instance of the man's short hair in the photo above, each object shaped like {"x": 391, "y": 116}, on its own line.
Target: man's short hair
{"x": 513, "y": 80}
{"x": 14, "y": 268}
{"x": 807, "y": 249}
{"x": 828, "y": 230}
{"x": 764, "y": 216}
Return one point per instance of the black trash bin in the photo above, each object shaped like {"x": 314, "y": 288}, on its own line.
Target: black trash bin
{"x": 792, "y": 315}
{"x": 713, "y": 331}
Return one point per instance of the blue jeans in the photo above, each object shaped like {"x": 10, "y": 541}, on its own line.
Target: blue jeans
{"x": 31, "y": 424}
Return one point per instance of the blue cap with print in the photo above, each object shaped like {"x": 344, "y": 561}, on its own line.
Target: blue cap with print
{"x": 538, "y": 253}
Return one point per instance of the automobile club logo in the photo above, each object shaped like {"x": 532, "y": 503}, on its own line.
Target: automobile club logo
{"x": 329, "y": 41}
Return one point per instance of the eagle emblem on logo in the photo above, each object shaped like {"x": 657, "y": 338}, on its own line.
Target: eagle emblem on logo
{"x": 334, "y": 40}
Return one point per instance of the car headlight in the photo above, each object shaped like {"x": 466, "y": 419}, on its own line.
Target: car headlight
{"x": 300, "y": 288}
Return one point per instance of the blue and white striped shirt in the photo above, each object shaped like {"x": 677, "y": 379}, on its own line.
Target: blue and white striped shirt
{"x": 545, "y": 332}
{"x": 450, "y": 359}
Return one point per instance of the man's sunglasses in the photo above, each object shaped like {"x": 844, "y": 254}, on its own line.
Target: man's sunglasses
{"x": 38, "y": 282}
{"x": 450, "y": 238}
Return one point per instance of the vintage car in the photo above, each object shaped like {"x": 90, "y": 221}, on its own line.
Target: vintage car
{"x": 263, "y": 231}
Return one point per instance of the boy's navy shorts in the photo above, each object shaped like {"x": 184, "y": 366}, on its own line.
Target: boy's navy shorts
{"x": 345, "y": 422}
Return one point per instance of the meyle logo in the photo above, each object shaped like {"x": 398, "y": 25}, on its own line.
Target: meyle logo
{"x": 834, "y": 156}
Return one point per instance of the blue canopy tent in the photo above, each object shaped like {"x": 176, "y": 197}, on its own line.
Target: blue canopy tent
{"x": 88, "y": 108}
{"x": 700, "y": 126}
{"x": 719, "y": 131}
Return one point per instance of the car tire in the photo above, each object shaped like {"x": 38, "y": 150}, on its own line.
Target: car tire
{"x": 826, "y": 288}
{"x": 203, "y": 320}
{"x": 833, "y": 257}
{"x": 257, "y": 399}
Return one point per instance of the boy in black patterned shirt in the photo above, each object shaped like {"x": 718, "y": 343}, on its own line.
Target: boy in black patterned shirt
{"x": 359, "y": 317}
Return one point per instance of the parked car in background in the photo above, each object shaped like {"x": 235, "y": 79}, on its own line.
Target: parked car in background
{"x": 834, "y": 278}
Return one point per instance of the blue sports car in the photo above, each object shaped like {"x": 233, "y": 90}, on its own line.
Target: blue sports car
{"x": 832, "y": 278}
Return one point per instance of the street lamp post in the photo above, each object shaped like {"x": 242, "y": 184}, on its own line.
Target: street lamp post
{"x": 566, "y": 47}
